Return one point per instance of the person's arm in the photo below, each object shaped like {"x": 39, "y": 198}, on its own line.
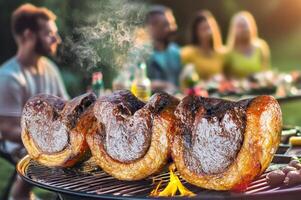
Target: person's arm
{"x": 158, "y": 85}
{"x": 10, "y": 129}
{"x": 10, "y": 109}
{"x": 227, "y": 64}
{"x": 62, "y": 92}
{"x": 185, "y": 54}
{"x": 62, "y": 89}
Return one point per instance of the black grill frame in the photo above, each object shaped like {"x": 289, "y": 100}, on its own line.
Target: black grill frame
{"x": 80, "y": 182}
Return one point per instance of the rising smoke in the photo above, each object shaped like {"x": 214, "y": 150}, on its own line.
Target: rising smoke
{"x": 111, "y": 35}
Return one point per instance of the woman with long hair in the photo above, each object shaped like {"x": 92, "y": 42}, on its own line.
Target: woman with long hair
{"x": 204, "y": 52}
{"x": 247, "y": 54}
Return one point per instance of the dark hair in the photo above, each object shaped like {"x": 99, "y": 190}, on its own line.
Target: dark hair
{"x": 27, "y": 16}
{"x": 154, "y": 10}
{"x": 200, "y": 17}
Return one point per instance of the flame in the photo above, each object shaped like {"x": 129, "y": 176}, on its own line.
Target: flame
{"x": 172, "y": 187}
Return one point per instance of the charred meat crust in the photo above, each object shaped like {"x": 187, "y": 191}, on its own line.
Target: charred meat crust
{"x": 57, "y": 113}
{"x": 148, "y": 156}
{"x": 210, "y": 117}
{"x": 130, "y": 118}
{"x": 76, "y": 107}
{"x": 261, "y": 138}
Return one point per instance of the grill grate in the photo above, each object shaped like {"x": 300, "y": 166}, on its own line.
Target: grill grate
{"x": 87, "y": 180}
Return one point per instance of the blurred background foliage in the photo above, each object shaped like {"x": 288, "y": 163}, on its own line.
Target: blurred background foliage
{"x": 279, "y": 23}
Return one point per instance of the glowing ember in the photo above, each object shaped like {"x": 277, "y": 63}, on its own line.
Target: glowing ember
{"x": 172, "y": 187}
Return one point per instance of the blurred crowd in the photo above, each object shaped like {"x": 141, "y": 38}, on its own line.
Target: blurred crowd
{"x": 205, "y": 57}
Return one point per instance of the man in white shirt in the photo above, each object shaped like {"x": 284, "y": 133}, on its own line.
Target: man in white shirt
{"x": 28, "y": 73}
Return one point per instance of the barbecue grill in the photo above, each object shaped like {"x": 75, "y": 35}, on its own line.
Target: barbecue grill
{"x": 87, "y": 181}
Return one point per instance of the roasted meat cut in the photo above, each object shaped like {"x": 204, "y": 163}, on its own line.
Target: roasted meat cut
{"x": 133, "y": 138}
{"x": 54, "y": 131}
{"x": 224, "y": 145}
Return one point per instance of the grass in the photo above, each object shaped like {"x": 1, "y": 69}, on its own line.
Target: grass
{"x": 291, "y": 113}
{"x": 6, "y": 170}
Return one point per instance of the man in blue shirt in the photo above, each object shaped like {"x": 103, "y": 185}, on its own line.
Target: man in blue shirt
{"x": 164, "y": 65}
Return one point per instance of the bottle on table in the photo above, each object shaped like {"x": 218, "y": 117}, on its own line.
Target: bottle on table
{"x": 122, "y": 81}
{"x": 97, "y": 83}
{"x": 189, "y": 79}
{"x": 141, "y": 85}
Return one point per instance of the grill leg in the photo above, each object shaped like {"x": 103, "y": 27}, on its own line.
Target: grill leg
{"x": 59, "y": 197}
